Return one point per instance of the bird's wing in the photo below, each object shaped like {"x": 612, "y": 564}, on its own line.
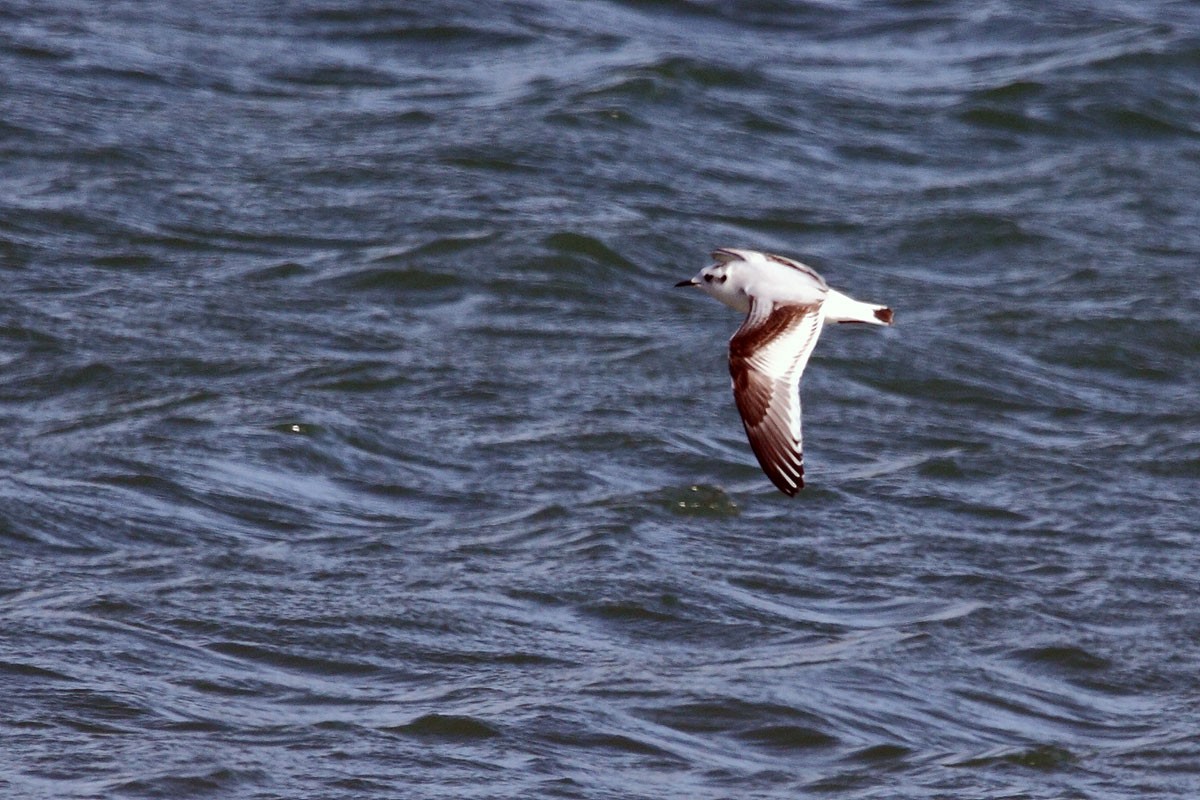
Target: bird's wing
{"x": 766, "y": 358}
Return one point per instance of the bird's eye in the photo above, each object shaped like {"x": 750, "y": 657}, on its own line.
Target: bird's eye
{"x": 708, "y": 278}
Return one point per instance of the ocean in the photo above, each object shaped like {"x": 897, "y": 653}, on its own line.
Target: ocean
{"x": 357, "y": 444}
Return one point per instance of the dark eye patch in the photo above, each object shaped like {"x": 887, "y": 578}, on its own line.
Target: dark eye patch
{"x": 723, "y": 277}
{"x": 708, "y": 278}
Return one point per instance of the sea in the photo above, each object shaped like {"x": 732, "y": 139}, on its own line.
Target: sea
{"x": 356, "y": 442}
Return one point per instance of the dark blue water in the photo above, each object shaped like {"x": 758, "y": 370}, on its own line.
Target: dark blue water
{"x": 356, "y": 445}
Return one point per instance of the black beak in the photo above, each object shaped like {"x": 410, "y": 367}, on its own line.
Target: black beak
{"x": 688, "y": 282}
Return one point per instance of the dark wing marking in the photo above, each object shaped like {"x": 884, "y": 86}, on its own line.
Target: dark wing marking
{"x": 767, "y": 355}
{"x": 723, "y": 255}
{"x": 796, "y": 265}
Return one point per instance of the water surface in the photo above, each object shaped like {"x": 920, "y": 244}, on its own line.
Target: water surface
{"x": 356, "y": 444}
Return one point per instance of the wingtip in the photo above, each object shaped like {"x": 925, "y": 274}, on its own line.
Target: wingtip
{"x": 788, "y": 484}
{"x": 884, "y": 315}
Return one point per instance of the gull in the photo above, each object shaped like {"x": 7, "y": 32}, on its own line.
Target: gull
{"x": 786, "y": 304}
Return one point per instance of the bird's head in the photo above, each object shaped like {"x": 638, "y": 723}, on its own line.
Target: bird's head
{"x": 715, "y": 281}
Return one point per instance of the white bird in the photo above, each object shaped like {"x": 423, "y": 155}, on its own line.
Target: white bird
{"x": 786, "y": 303}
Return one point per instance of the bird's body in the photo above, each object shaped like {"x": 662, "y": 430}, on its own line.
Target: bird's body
{"x": 786, "y": 304}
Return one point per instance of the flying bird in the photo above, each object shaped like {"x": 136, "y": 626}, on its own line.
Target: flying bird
{"x": 786, "y": 303}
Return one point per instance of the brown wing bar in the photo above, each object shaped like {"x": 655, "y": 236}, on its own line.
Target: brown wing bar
{"x": 766, "y": 358}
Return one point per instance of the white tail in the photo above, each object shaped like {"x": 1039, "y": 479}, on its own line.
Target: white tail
{"x": 840, "y": 308}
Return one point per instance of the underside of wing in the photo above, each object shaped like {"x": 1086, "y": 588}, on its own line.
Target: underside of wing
{"x": 767, "y": 356}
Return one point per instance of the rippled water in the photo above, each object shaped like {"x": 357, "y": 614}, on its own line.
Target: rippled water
{"x": 357, "y": 445}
